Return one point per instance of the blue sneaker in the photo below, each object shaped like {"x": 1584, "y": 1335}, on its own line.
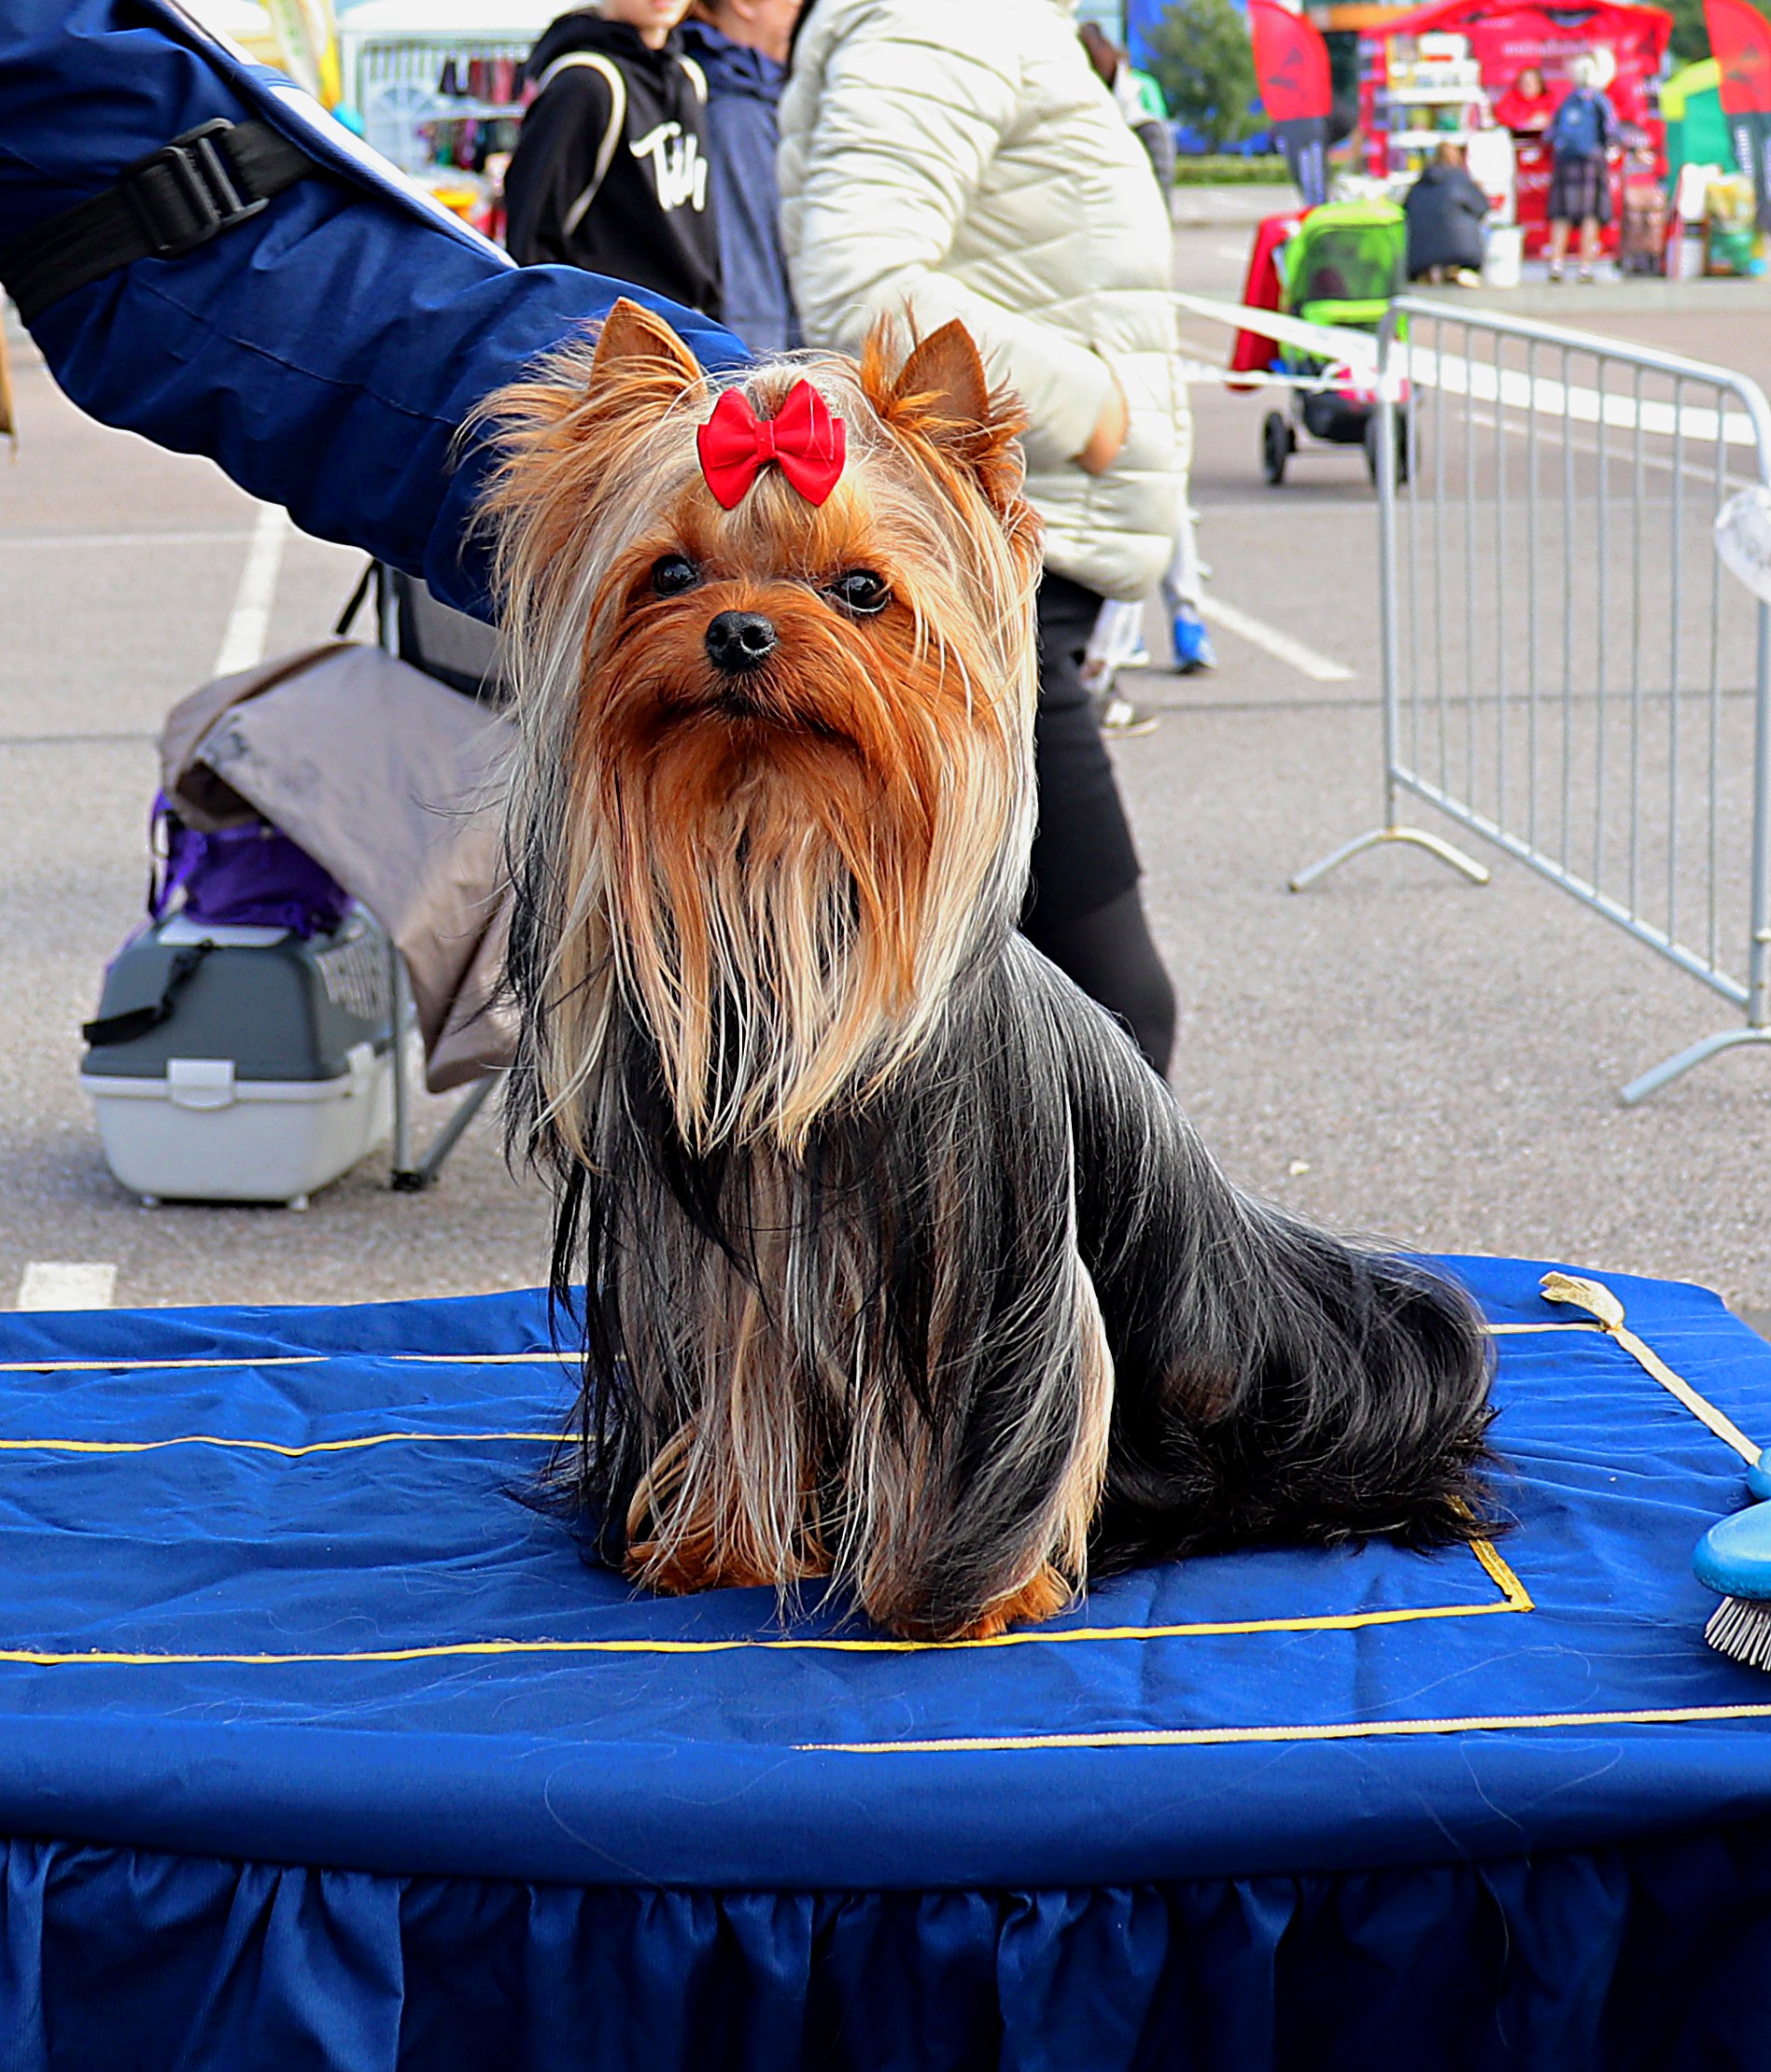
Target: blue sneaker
{"x": 1193, "y": 649}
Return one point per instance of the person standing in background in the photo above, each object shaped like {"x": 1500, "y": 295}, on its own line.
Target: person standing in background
{"x": 1118, "y": 635}
{"x": 741, "y": 46}
{"x": 1137, "y": 97}
{"x": 1581, "y": 135}
{"x": 611, "y": 169}
{"x": 958, "y": 158}
{"x": 1528, "y": 107}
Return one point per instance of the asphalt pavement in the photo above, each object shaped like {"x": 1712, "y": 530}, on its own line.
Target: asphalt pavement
{"x": 122, "y": 567}
{"x": 1394, "y": 1051}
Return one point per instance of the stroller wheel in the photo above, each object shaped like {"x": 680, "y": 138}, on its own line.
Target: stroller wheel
{"x": 1276, "y": 447}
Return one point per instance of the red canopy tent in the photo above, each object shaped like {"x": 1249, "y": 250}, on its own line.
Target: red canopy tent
{"x": 1506, "y": 41}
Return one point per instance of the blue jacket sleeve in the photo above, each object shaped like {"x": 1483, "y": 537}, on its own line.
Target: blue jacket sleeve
{"x": 324, "y": 354}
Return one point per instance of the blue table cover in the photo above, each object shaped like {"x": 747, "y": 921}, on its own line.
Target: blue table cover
{"x": 320, "y": 1744}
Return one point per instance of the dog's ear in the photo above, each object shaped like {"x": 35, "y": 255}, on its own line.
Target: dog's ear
{"x": 635, "y": 340}
{"x": 588, "y": 390}
{"x": 942, "y": 394}
{"x": 945, "y": 378}
{"x": 559, "y": 435}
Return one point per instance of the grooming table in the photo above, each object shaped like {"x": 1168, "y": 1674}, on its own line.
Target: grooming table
{"x": 321, "y": 1746}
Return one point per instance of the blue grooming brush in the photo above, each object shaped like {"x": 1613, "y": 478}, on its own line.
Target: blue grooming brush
{"x": 1734, "y": 1558}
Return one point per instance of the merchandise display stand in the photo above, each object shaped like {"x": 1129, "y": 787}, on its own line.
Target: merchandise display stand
{"x": 437, "y": 86}
{"x": 1432, "y": 98}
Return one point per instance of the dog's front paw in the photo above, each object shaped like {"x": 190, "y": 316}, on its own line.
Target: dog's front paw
{"x": 704, "y": 1560}
{"x": 1044, "y": 1597}
{"x": 696, "y": 1561}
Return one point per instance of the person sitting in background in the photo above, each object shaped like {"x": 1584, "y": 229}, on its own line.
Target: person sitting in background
{"x": 1445, "y": 210}
{"x": 741, "y": 46}
{"x": 609, "y": 171}
{"x": 1528, "y": 106}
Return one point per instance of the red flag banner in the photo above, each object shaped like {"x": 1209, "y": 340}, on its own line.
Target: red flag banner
{"x": 1740, "y": 37}
{"x": 1291, "y": 69}
{"x": 1291, "y": 62}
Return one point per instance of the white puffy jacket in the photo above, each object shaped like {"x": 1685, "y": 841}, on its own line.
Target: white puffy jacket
{"x": 960, "y": 158}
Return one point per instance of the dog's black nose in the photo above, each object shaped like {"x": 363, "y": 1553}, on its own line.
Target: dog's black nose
{"x": 737, "y": 640}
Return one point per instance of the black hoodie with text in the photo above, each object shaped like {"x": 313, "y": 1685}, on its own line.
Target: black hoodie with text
{"x": 611, "y": 169}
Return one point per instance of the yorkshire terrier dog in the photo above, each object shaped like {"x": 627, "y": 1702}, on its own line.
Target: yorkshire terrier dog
{"x": 898, "y": 1264}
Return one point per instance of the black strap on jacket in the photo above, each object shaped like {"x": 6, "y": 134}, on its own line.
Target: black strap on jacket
{"x": 162, "y": 207}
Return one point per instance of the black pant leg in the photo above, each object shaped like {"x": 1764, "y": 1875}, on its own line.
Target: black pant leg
{"x": 1083, "y": 908}
{"x": 1111, "y": 956}
{"x": 1083, "y": 853}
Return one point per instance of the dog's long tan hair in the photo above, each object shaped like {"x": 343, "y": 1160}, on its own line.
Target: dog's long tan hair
{"x": 788, "y": 900}
{"x": 896, "y": 1262}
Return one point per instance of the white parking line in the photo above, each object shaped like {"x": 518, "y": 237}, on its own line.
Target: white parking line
{"x": 66, "y": 1285}
{"x": 226, "y": 536}
{"x": 1548, "y": 430}
{"x": 1319, "y": 668}
{"x": 250, "y": 622}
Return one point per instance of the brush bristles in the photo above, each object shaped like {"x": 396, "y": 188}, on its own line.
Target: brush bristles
{"x": 1741, "y": 1628}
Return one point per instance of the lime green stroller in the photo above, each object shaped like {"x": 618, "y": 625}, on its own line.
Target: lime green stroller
{"x": 1343, "y": 266}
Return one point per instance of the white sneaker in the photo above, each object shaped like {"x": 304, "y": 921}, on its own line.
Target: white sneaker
{"x": 1121, "y": 719}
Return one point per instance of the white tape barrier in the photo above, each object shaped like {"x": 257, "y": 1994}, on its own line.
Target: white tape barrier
{"x": 1197, "y": 371}
{"x": 1325, "y": 341}
{"x": 1480, "y": 381}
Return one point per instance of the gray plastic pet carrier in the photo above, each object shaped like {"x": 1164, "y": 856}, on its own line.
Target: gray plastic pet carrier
{"x": 242, "y": 1064}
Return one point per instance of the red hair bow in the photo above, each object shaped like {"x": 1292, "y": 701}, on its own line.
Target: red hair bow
{"x": 803, "y": 440}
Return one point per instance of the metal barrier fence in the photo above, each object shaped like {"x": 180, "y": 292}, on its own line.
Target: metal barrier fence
{"x": 1568, "y": 671}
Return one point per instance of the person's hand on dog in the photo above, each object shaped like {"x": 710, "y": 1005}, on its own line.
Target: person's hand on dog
{"x": 1108, "y": 436}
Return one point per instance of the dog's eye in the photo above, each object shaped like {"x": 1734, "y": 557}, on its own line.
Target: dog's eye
{"x": 673, "y": 574}
{"x": 859, "y": 590}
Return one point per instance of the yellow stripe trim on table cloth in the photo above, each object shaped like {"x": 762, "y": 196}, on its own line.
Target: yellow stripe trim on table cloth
{"x": 270, "y": 1445}
{"x": 371, "y": 1439}
{"x": 1591, "y": 1296}
{"x": 288, "y": 1360}
{"x": 1514, "y": 1599}
{"x": 1608, "y": 1311}
{"x": 1599, "y": 1301}
{"x": 444, "y": 1358}
{"x": 1357, "y": 1729}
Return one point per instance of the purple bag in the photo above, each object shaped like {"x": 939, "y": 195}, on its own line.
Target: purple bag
{"x": 239, "y": 878}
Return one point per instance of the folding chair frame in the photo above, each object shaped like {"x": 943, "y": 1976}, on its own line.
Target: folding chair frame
{"x": 407, "y": 1176}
